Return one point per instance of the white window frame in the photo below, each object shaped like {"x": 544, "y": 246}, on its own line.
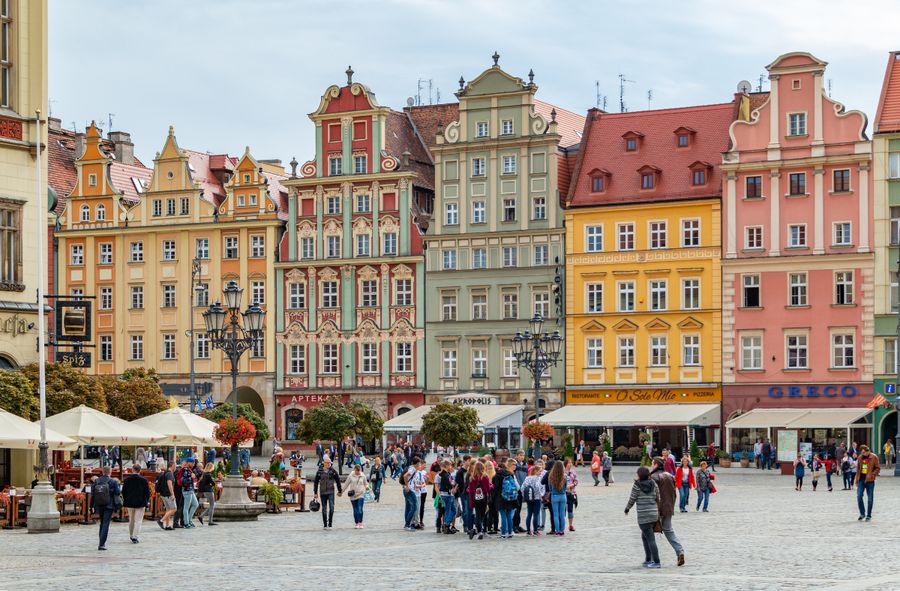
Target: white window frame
{"x": 510, "y": 256}
{"x": 509, "y": 299}
{"x": 539, "y": 208}
{"x": 478, "y": 167}
{"x": 844, "y": 288}
{"x": 658, "y": 290}
{"x": 201, "y": 248}
{"x": 625, "y": 352}
{"x": 690, "y": 233}
{"x": 510, "y": 164}
{"x": 751, "y": 351}
{"x": 136, "y": 348}
{"x": 658, "y": 234}
{"x": 449, "y": 365}
{"x": 479, "y": 258}
{"x": 390, "y": 244}
{"x": 168, "y": 347}
{"x": 330, "y": 358}
{"x": 541, "y": 255}
{"x": 593, "y": 238}
{"x": 801, "y": 344}
{"x": 231, "y": 248}
{"x": 753, "y": 237}
{"x": 403, "y": 292}
{"x": 76, "y": 255}
{"x": 625, "y": 234}
{"x": 449, "y": 306}
{"x": 626, "y": 290}
{"x": 363, "y": 245}
{"x": 106, "y": 253}
{"x": 479, "y": 306}
{"x": 330, "y": 295}
{"x": 593, "y": 297}
{"x": 137, "y": 251}
{"x": 368, "y": 290}
{"x": 482, "y": 129}
{"x": 842, "y": 233}
{"x": 451, "y": 213}
{"x": 690, "y": 350}
{"x": 506, "y": 127}
{"x": 448, "y": 259}
{"x": 297, "y": 359}
{"x": 593, "y": 347}
{"x": 751, "y": 280}
{"x": 368, "y": 358}
{"x": 798, "y": 289}
{"x": 479, "y": 212}
{"x": 659, "y": 350}
{"x": 800, "y": 230}
{"x": 843, "y": 348}
{"x": 796, "y": 124}
{"x": 403, "y": 357}
{"x": 257, "y": 246}
{"x": 307, "y": 248}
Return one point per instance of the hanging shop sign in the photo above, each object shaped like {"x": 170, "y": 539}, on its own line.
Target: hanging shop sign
{"x": 644, "y": 395}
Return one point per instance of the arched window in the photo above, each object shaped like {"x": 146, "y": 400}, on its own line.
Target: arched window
{"x": 85, "y": 213}
{"x": 292, "y": 419}
{"x": 101, "y": 212}
{"x": 402, "y": 410}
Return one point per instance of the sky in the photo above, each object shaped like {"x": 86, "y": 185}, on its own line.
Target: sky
{"x": 231, "y": 73}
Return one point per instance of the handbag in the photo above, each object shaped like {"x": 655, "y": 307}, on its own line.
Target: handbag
{"x": 712, "y": 487}
{"x": 657, "y": 527}
{"x": 314, "y": 505}
{"x": 368, "y": 497}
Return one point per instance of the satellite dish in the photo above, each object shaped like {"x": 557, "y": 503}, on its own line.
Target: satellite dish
{"x": 744, "y": 87}
{"x": 410, "y": 102}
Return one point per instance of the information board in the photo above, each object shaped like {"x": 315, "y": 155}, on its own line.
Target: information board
{"x": 787, "y": 445}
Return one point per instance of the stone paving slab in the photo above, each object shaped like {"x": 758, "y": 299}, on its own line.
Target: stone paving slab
{"x": 759, "y": 534}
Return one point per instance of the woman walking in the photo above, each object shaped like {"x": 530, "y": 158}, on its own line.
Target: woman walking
{"x": 888, "y": 453}
{"x": 799, "y": 472}
{"x": 479, "y": 491}
{"x": 556, "y": 481}
{"x": 606, "y": 462}
{"x": 685, "y": 481}
{"x": 645, "y": 494}
{"x": 596, "y": 467}
{"x": 376, "y": 477}
{"x": 704, "y": 486}
{"x": 532, "y": 493}
{"x": 207, "y": 489}
{"x": 817, "y": 467}
{"x": 356, "y": 490}
{"x": 571, "y": 493}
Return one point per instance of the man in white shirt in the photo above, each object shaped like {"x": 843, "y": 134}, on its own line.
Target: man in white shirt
{"x": 757, "y": 454}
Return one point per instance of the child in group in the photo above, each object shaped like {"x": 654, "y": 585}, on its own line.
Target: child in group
{"x": 533, "y": 494}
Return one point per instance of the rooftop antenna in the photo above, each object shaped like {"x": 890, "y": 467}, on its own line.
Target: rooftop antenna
{"x": 761, "y": 78}
{"x": 601, "y": 98}
{"x": 109, "y": 117}
{"x": 622, "y": 81}
{"x": 50, "y": 106}
{"x": 437, "y": 95}
{"x": 649, "y": 97}
{"x": 829, "y": 88}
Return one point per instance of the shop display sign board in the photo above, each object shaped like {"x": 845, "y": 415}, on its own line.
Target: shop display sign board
{"x": 644, "y": 395}
{"x": 787, "y": 445}
{"x": 806, "y": 450}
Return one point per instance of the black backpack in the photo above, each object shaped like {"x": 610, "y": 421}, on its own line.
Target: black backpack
{"x": 101, "y": 493}
{"x": 160, "y": 485}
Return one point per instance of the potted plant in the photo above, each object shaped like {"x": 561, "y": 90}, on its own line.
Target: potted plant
{"x": 723, "y": 458}
{"x": 273, "y": 495}
{"x": 745, "y": 460}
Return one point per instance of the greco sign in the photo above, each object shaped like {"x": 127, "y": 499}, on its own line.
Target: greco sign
{"x": 813, "y": 391}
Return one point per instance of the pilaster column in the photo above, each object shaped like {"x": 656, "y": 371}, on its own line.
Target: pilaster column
{"x": 774, "y": 213}
{"x": 819, "y": 211}
{"x": 864, "y": 215}
{"x": 731, "y": 214}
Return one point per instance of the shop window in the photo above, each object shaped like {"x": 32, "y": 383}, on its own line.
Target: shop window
{"x": 292, "y": 419}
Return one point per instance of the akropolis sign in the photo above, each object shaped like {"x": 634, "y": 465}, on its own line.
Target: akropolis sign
{"x": 813, "y": 391}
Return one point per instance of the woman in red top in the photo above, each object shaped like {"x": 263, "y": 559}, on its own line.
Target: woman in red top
{"x": 479, "y": 491}
{"x": 684, "y": 480}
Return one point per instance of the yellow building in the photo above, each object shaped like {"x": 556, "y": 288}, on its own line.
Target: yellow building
{"x": 23, "y": 213}
{"x": 156, "y": 247}
{"x": 643, "y": 279}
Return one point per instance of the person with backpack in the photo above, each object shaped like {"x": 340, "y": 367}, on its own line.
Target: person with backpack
{"x": 328, "y": 480}
{"x": 645, "y": 494}
{"x": 186, "y": 482}
{"x": 165, "y": 488}
{"x": 479, "y": 491}
{"x": 105, "y": 498}
{"x": 207, "y": 489}
{"x": 507, "y": 496}
{"x": 596, "y": 467}
{"x": 135, "y": 496}
{"x": 521, "y": 473}
{"x": 532, "y": 493}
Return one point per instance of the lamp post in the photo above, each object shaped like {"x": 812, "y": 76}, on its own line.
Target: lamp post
{"x": 896, "y": 395}
{"x": 537, "y": 351}
{"x": 196, "y": 268}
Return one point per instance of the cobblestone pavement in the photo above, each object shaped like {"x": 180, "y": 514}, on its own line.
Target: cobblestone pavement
{"x": 759, "y": 534}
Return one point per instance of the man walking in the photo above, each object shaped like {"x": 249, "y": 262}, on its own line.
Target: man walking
{"x": 668, "y": 461}
{"x": 104, "y": 492}
{"x": 521, "y": 474}
{"x": 757, "y": 453}
{"x": 767, "y": 454}
{"x": 165, "y": 488}
{"x": 666, "y": 484}
{"x": 867, "y": 470}
{"x": 135, "y": 496}
{"x": 326, "y": 481}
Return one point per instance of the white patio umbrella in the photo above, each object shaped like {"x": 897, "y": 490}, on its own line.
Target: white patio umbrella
{"x": 183, "y": 428}
{"x": 89, "y": 426}
{"x": 19, "y": 433}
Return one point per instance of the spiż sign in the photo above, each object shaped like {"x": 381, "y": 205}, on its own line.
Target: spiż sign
{"x": 813, "y": 391}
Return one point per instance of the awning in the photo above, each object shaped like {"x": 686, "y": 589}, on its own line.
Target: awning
{"x": 489, "y": 415}
{"x": 633, "y": 415}
{"x": 798, "y": 418}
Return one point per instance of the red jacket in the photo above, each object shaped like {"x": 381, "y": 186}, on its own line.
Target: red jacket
{"x": 679, "y": 477}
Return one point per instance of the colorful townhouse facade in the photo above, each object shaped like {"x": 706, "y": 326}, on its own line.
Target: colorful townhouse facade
{"x": 350, "y": 277}
{"x": 798, "y": 285}
{"x": 495, "y": 240}
{"x": 643, "y": 277}
{"x": 23, "y": 217}
{"x": 886, "y": 214}
{"x": 154, "y": 247}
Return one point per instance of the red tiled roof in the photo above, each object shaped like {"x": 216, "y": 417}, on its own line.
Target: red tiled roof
{"x": 603, "y": 148}
{"x": 278, "y": 193}
{"x": 566, "y": 166}
{"x": 211, "y": 187}
{"x": 123, "y": 178}
{"x": 887, "y": 117}
{"x": 427, "y": 118}
{"x": 569, "y": 124}
{"x": 401, "y": 136}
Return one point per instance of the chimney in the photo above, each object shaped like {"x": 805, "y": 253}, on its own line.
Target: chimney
{"x": 79, "y": 145}
{"x": 54, "y": 123}
{"x": 405, "y": 159}
{"x": 122, "y": 146}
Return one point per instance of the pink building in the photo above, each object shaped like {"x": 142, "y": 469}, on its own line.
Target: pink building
{"x": 798, "y": 317}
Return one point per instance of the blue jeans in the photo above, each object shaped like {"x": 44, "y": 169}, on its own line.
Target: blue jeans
{"x": 684, "y": 495}
{"x": 466, "y": 512}
{"x": 558, "y": 502}
{"x": 357, "y": 510}
{"x": 506, "y": 521}
{"x": 412, "y": 507}
{"x": 532, "y": 521}
{"x": 376, "y": 489}
{"x": 869, "y": 488}
{"x": 449, "y": 509}
{"x": 190, "y": 505}
{"x": 702, "y": 497}
{"x": 106, "y": 514}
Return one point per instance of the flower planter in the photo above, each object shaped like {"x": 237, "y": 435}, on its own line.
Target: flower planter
{"x": 745, "y": 462}
{"x": 724, "y": 463}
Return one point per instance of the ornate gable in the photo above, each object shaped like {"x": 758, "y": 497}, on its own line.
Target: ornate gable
{"x": 593, "y": 326}
{"x": 625, "y": 326}
{"x": 658, "y": 324}
{"x": 690, "y": 322}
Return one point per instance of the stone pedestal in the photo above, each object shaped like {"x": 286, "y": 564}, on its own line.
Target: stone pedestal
{"x": 43, "y": 515}
{"x": 235, "y": 505}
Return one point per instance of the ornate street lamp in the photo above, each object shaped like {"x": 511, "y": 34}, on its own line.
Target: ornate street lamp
{"x": 537, "y": 351}
{"x": 226, "y": 333}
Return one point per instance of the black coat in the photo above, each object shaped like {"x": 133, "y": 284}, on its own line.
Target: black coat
{"x": 135, "y": 491}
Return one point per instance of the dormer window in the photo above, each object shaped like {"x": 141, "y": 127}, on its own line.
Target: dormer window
{"x": 632, "y": 140}
{"x": 649, "y": 177}
{"x": 700, "y": 173}
{"x": 683, "y": 136}
{"x": 599, "y": 179}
